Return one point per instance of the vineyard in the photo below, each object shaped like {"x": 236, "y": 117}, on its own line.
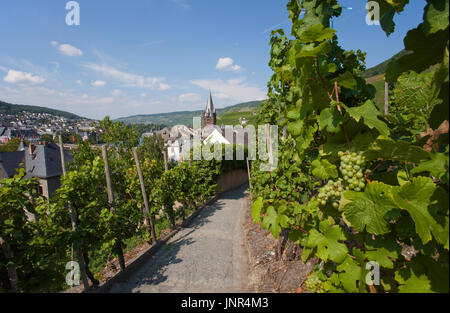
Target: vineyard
{"x": 360, "y": 190}
{"x": 107, "y": 204}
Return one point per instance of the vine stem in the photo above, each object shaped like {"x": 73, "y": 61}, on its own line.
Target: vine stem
{"x": 374, "y": 169}
{"x": 330, "y": 95}
{"x": 301, "y": 229}
{"x": 344, "y": 128}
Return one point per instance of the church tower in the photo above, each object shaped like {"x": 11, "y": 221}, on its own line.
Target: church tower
{"x": 209, "y": 116}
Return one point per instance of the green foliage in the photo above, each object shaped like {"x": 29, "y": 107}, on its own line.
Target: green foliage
{"x": 11, "y": 146}
{"x": 8, "y": 108}
{"x": 34, "y": 251}
{"x": 387, "y": 192}
{"x": 152, "y": 148}
{"x": 40, "y": 232}
{"x": 226, "y": 116}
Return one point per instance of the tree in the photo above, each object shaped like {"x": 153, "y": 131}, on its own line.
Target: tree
{"x": 11, "y": 146}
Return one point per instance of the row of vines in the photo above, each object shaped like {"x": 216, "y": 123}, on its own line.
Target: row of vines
{"x": 80, "y": 223}
{"x": 356, "y": 189}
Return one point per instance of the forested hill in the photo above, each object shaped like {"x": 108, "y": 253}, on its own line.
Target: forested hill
{"x": 185, "y": 117}
{"x": 8, "y": 108}
{"x": 381, "y": 68}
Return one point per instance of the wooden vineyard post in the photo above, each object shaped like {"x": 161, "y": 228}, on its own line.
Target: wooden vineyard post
{"x": 118, "y": 245}
{"x": 74, "y": 225}
{"x": 148, "y": 218}
{"x": 166, "y": 166}
{"x": 386, "y": 98}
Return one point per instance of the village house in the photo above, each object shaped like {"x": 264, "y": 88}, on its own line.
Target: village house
{"x": 42, "y": 161}
{"x": 27, "y": 134}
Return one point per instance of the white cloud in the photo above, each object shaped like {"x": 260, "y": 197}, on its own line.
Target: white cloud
{"x": 79, "y": 82}
{"x": 106, "y": 100}
{"x": 227, "y": 64}
{"x": 232, "y": 89}
{"x": 235, "y": 68}
{"x": 84, "y": 96}
{"x": 189, "y": 98}
{"x": 181, "y": 3}
{"x": 134, "y": 80}
{"x": 18, "y": 77}
{"x": 68, "y": 50}
{"x": 11, "y": 90}
{"x": 98, "y": 83}
{"x": 116, "y": 92}
{"x": 223, "y": 63}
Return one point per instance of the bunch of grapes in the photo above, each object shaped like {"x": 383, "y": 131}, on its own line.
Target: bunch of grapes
{"x": 352, "y": 169}
{"x": 314, "y": 284}
{"x": 332, "y": 191}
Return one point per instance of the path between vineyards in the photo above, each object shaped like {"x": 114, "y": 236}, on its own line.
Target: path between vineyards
{"x": 209, "y": 255}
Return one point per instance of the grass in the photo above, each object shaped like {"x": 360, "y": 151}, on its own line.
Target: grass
{"x": 232, "y": 118}
{"x": 378, "y": 83}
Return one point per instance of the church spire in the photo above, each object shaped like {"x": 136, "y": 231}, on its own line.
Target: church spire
{"x": 210, "y": 110}
{"x": 209, "y": 116}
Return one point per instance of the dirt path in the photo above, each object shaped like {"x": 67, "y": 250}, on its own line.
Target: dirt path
{"x": 207, "y": 256}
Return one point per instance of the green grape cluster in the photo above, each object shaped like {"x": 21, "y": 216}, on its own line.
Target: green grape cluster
{"x": 352, "y": 168}
{"x": 314, "y": 285}
{"x": 332, "y": 191}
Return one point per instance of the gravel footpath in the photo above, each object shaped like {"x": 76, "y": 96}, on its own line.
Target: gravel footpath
{"x": 207, "y": 256}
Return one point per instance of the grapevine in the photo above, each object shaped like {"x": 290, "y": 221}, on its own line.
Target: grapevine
{"x": 354, "y": 186}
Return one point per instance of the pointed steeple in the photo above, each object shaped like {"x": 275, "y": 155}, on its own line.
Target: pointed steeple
{"x": 210, "y": 110}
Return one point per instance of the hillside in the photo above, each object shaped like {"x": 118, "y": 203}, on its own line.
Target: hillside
{"x": 8, "y": 108}
{"x": 226, "y": 116}
{"x": 381, "y": 68}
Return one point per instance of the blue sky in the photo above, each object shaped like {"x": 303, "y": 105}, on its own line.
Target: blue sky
{"x": 152, "y": 56}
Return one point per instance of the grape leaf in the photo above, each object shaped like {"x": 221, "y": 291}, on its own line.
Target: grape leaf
{"x": 437, "y": 166}
{"x": 274, "y": 221}
{"x": 353, "y": 270}
{"x": 369, "y": 113}
{"x": 326, "y": 240}
{"x": 293, "y": 114}
{"x": 414, "y": 197}
{"x": 427, "y": 51}
{"x": 346, "y": 80}
{"x": 367, "y": 209}
{"x": 382, "y": 251}
{"x": 302, "y": 142}
{"x": 350, "y": 274}
{"x": 323, "y": 169}
{"x": 330, "y": 119}
{"x": 396, "y": 150}
{"x": 416, "y": 284}
{"x": 388, "y": 8}
{"x": 413, "y": 279}
{"x": 435, "y": 16}
{"x": 316, "y": 32}
{"x": 295, "y": 128}
{"x": 312, "y": 50}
